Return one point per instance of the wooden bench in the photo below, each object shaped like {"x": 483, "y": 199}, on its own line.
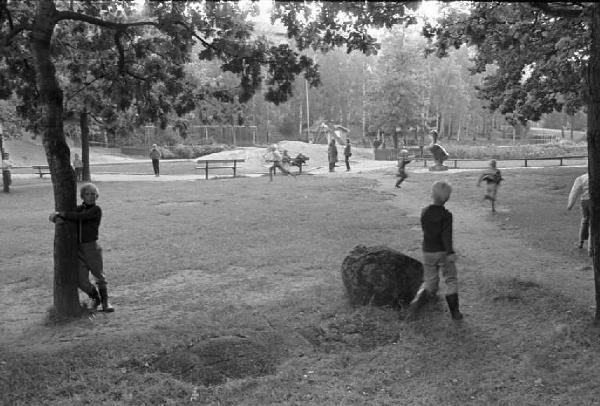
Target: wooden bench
{"x": 207, "y": 164}
{"x": 41, "y": 170}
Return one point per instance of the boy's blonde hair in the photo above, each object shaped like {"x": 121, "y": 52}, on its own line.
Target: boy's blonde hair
{"x": 440, "y": 191}
{"x": 90, "y": 187}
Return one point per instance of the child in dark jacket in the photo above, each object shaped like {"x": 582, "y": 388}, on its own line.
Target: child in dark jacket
{"x": 438, "y": 252}
{"x": 89, "y": 252}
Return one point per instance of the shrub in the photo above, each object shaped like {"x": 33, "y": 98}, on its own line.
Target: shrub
{"x": 166, "y": 153}
{"x": 183, "y": 151}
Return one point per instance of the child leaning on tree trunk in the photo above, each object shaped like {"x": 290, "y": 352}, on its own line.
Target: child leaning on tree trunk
{"x": 438, "y": 253}
{"x": 89, "y": 253}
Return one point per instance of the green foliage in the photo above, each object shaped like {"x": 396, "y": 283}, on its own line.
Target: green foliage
{"x": 181, "y": 151}
{"x": 457, "y": 150}
{"x": 540, "y": 56}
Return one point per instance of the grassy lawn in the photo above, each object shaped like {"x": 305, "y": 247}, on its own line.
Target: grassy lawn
{"x": 229, "y": 292}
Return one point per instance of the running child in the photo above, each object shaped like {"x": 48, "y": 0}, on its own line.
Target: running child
{"x": 492, "y": 178}
{"x": 402, "y": 162}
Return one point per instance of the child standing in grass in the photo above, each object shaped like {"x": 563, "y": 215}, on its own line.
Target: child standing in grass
{"x": 581, "y": 190}
{"x": 155, "y": 156}
{"x": 89, "y": 252}
{"x": 492, "y": 178}
{"x": 402, "y": 162}
{"x": 438, "y": 253}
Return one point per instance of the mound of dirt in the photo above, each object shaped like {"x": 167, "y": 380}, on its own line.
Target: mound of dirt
{"x": 213, "y": 361}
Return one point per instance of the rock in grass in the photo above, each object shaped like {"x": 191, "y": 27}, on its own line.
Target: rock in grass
{"x": 380, "y": 276}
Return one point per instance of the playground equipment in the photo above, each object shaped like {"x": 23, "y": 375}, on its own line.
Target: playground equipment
{"x": 325, "y": 133}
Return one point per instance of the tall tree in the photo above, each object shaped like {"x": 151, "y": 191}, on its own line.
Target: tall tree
{"x": 548, "y": 56}
{"x": 29, "y": 27}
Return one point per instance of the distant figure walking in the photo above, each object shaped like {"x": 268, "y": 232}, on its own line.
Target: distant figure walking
{"x": 332, "y": 155}
{"x": 78, "y": 166}
{"x": 580, "y": 190}
{"x": 347, "y": 154}
{"x": 492, "y": 177}
{"x": 155, "y": 156}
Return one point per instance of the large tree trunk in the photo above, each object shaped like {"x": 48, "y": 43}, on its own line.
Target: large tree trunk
{"x": 66, "y": 299}
{"x": 84, "y": 126}
{"x": 593, "y": 138}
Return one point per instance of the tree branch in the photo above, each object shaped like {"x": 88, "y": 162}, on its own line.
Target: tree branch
{"x": 557, "y": 9}
{"x": 135, "y": 75}
{"x": 96, "y": 119}
{"x": 5, "y": 41}
{"x": 71, "y": 15}
{"x": 120, "y": 50}
{"x": 199, "y": 38}
{"x": 85, "y": 85}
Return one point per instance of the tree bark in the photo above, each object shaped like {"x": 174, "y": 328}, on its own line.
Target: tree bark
{"x": 66, "y": 298}
{"x": 84, "y": 125}
{"x": 593, "y": 138}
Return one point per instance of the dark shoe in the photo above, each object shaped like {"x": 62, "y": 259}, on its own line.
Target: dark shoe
{"x": 106, "y": 307}
{"x": 420, "y": 299}
{"x": 453, "y": 306}
{"x": 95, "y": 297}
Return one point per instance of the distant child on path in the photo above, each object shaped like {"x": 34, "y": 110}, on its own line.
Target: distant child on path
{"x": 89, "y": 252}
{"x": 155, "y": 156}
{"x": 332, "y": 155}
{"x": 402, "y": 162}
{"x": 275, "y": 159}
{"x": 492, "y": 177}
{"x": 438, "y": 253}
{"x": 78, "y": 166}
{"x": 347, "y": 154}
{"x": 580, "y": 190}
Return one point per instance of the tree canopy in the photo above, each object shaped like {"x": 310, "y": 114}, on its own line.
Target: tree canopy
{"x": 548, "y": 57}
{"x": 540, "y": 54}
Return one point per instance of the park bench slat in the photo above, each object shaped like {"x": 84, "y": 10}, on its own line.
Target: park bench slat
{"x": 206, "y": 164}
{"x": 526, "y": 160}
{"x": 41, "y": 170}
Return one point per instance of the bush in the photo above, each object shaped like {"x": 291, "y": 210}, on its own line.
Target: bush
{"x": 166, "y": 153}
{"x": 201, "y": 150}
{"x": 514, "y": 151}
{"x": 183, "y": 151}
